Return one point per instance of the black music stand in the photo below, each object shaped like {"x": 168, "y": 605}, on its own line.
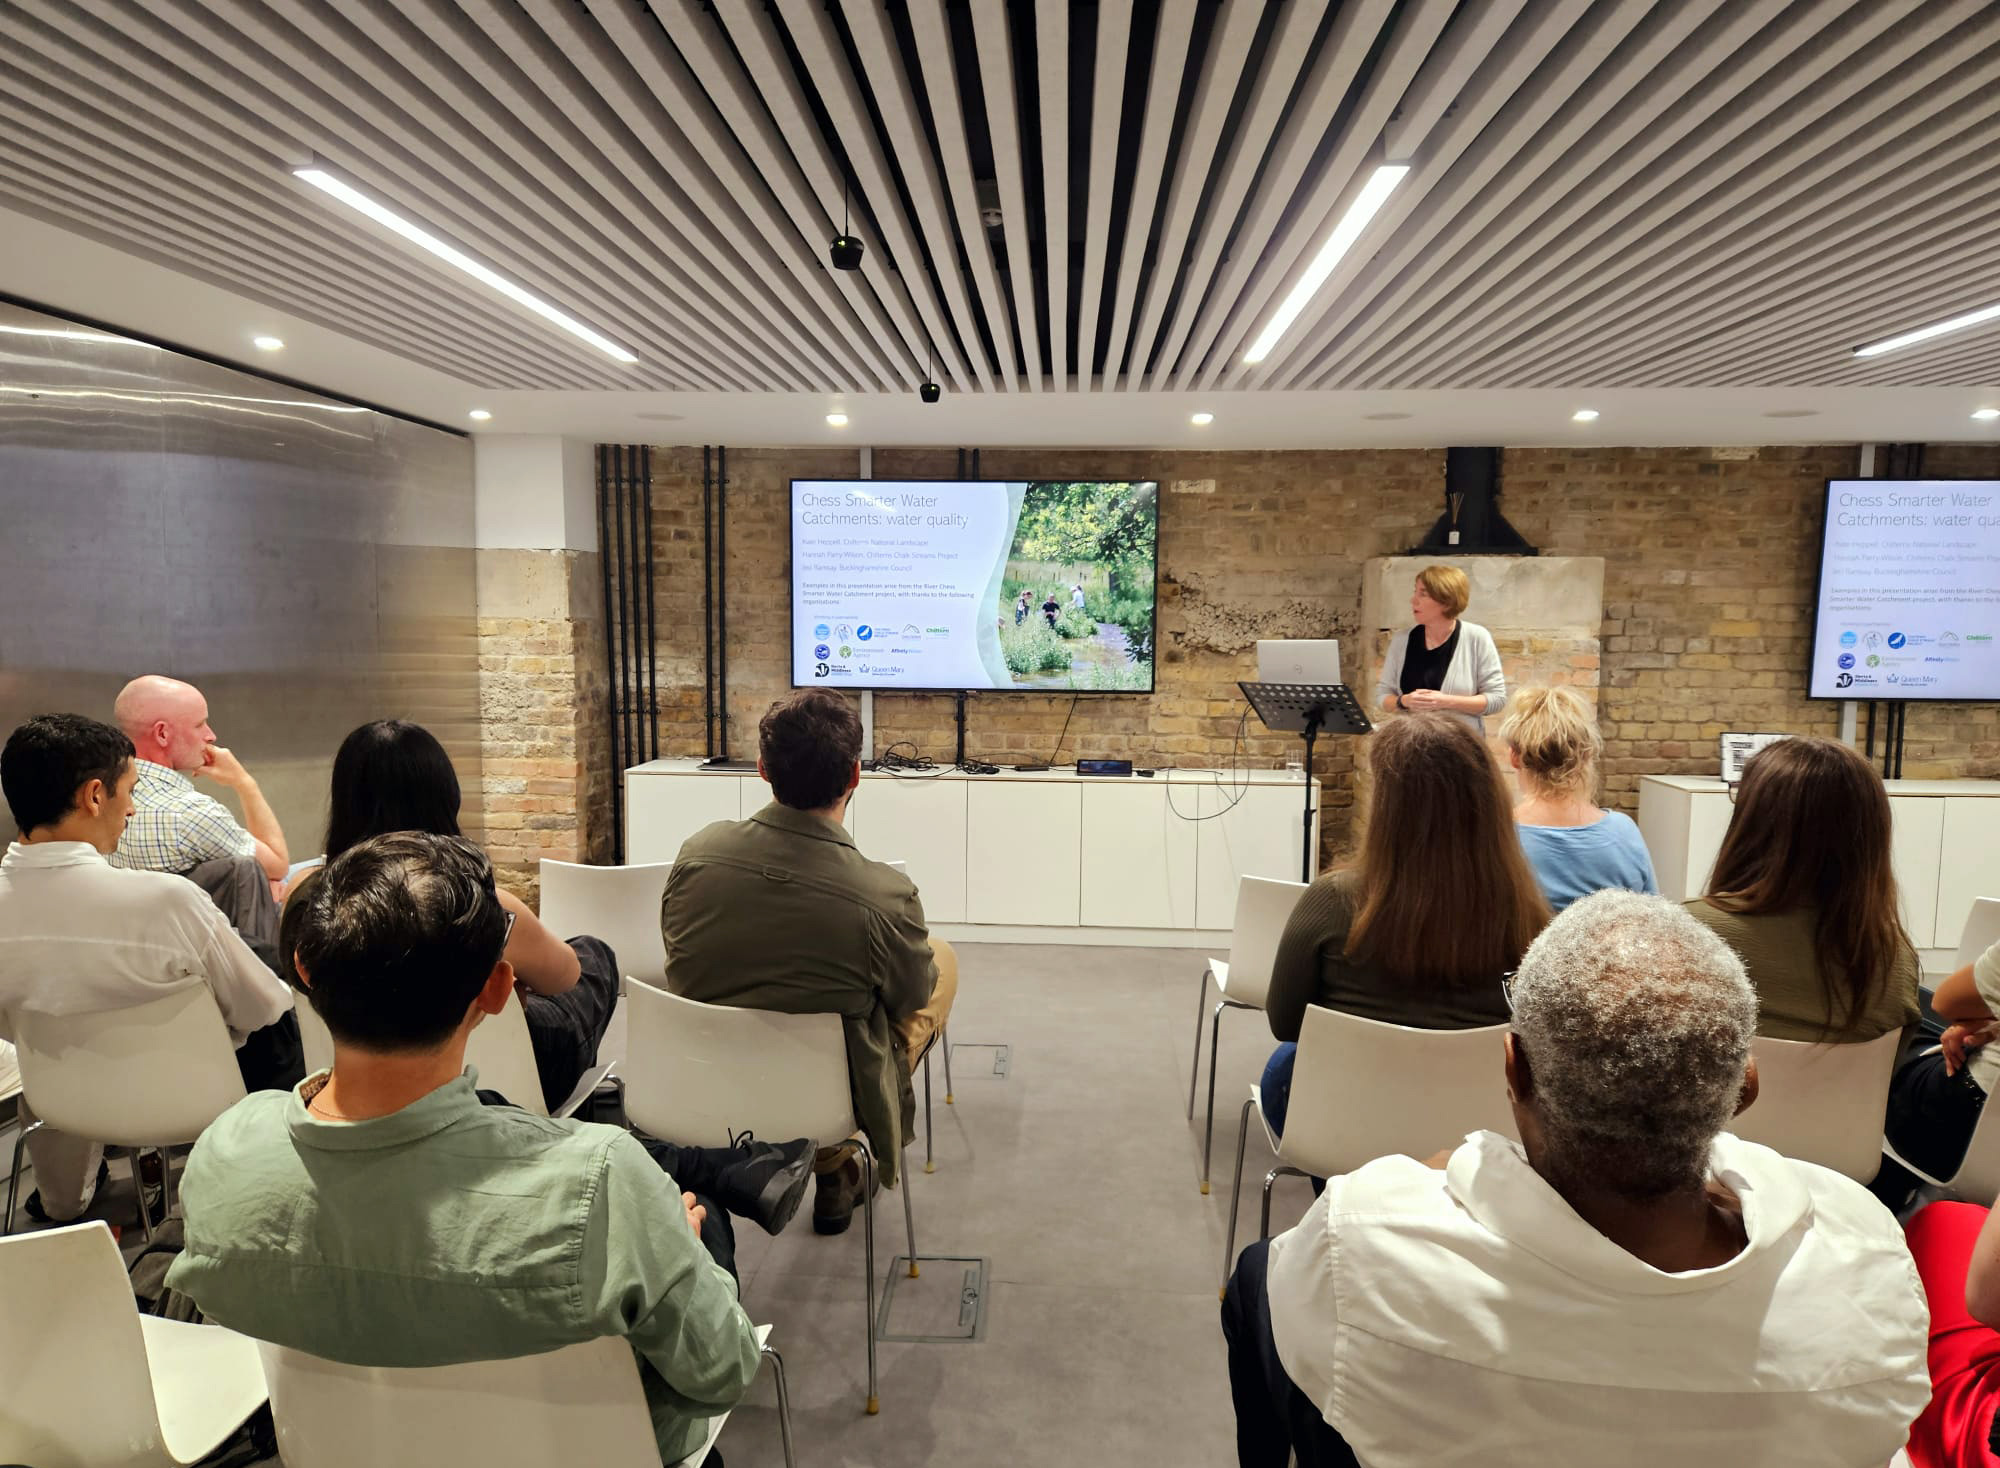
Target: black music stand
{"x": 1307, "y": 708}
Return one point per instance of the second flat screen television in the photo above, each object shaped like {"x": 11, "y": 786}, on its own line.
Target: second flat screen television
{"x": 987, "y": 584}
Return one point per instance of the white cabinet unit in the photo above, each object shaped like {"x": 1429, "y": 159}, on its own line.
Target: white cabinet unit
{"x": 1023, "y": 858}
{"x": 1968, "y": 862}
{"x": 1916, "y": 839}
{"x": 1138, "y": 857}
{"x": 1032, "y": 856}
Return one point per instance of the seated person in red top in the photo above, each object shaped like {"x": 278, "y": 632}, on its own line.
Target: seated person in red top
{"x": 1957, "y": 1249}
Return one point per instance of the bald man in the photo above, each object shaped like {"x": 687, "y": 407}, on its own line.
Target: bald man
{"x": 174, "y": 827}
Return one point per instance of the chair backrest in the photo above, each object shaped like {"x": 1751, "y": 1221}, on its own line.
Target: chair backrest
{"x": 1822, "y": 1103}
{"x": 1263, "y": 907}
{"x": 694, "y": 1073}
{"x": 499, "y": 1049}
{"x": 620, "y": 905}
{"x": 1982, "y": 931}
{"x": 78, "y": 1391}
{"x": 580, "y": 1404}
{"x": 151, "y": 1075}
{"x": 1978, "y": 1177}
{"x": 1362, "y": 1089}
{"x": 504, "y": 1056}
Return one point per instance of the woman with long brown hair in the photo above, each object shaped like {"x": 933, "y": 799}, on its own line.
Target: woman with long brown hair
{"x": 1803, "y": 891}
{"x": 1439, "y": 903}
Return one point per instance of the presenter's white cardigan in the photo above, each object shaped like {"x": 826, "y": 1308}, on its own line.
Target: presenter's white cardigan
{"x": 1475, "y": 668}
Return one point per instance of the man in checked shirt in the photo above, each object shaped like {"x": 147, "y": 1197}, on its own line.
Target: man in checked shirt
{"x": 174, "y": 827}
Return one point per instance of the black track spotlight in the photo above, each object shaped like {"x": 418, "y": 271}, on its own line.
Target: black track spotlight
{"x": 845, "y": 251}
{"x": 930, "y": 392}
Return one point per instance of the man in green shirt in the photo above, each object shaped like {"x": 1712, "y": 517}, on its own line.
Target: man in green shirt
{"x": 382, "y": 1215}
{"x": 783, "y": 912}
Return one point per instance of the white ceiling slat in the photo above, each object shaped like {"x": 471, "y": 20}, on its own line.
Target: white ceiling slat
{"x": 995, "y": 44}
{"x": 1677, "y": 217}
{"x": 1852, "y": 207}
{"x": 543, "y": 161}
{"x": 936, "y": 202}
{"x": 1221, "y": 76}
{"x": 206, "y": 52}
{"x": 1610, "y": 194}
{"x": 1481, "y": 194}
{"x": 76, "y": 118}
{"x": 1291, "y": 45}
{"x": 756, "y": 38}
{"x": 1170, "y": 59}
{"x": 1052, "y": 62}
{"x": 1548, "y": 30}
{"x": 1710, "y": 119}
{"x": 1114, "y": 38}
{"x": 1357, "y": 27}
{"x": 653, "y": 147}
{"x": 684, "y": 46}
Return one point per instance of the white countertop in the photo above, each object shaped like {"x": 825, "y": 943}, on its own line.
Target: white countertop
{"x": 1712, "y": 785}
{"x": 1226, "y": 778}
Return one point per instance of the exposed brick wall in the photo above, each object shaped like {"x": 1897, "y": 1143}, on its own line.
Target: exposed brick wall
{"x": 1708, "y": 585}
{"x": 545, "y": 746}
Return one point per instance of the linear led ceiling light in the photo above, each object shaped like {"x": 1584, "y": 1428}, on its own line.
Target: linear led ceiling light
{"x": 359, "y": 202}
{"x": 1925, "y": 333}
{"x": 1373, "y": 195}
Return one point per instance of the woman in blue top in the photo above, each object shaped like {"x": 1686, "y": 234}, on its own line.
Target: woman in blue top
{"x": 1575, "y": 847}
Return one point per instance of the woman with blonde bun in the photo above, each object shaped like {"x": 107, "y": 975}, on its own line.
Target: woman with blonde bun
{"x": 1575, "y": 847}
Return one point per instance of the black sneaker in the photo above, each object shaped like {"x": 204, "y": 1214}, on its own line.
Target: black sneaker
{"x": 41, "y": 1215}
{"x": 766, "y": 1186}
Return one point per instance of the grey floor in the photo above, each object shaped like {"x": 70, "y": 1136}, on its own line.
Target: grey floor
{"x": 1077, "y": 1176}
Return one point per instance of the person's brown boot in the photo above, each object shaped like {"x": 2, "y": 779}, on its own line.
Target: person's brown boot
{"x": 838, "y": 1189}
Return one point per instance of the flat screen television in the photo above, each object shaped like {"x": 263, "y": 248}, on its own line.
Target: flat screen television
{"x": 1908, "y": 601}
{"x": 1032, "y": 585}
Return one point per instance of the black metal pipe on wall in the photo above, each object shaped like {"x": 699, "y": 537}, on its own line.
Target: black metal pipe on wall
{"x": 722, "y": 596}
{"x": 604, "y": 561}
{"x": 707, "y": 601}
{"x": 652, "y": 618}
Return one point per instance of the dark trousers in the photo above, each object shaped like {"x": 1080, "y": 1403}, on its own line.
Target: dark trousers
{"x": 1931, "y": 1117}
{"x": 565, "y": 1028}
{"x": 700, "y": 1170}
{"x": 273, "y": 1058}
{"x": 1273, "y": 1417}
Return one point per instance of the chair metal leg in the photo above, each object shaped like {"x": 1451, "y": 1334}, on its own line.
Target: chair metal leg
{"x": 930, "y": 1163}
{"x": 944, "y": 1039}
{"x": 14, "y": 1178}
{"x": 909, "y": 1220}
{"x": 1200, "y": 1009}
{"x": 1281, "y": 1170}
{"x": 868, "y": 1242}
{"x": 784, "y": 1403}
{"x": 139, "y": 1193}
{"x": 1236, "y": 1193}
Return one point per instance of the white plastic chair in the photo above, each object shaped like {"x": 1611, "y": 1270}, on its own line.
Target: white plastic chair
{"x": 581, "y": 1403}
{"x": 92, "y": 1383}
{"x": 1362, "y": 1089}
{"x": 620, "y": 905}
{"x": 151, "y": 1076}
{"x": 1822, "y": 1103}
{"x": 701, "y": 1075}
{"x": 499, "y": 1050}
{"x": 1263, "y": 907}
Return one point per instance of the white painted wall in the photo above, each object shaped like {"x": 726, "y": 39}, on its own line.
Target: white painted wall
{"x": 534, "y": 492}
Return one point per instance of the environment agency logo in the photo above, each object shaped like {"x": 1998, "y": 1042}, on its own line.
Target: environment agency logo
{"x": 1874, "y": 660}
{"x": 846, "y": 651}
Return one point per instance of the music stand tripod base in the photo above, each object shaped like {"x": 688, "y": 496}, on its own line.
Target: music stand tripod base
{"x": 1307, "y": 709}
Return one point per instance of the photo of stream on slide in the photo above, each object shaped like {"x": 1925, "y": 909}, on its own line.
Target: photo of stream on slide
{"x": 1076, "y": 599}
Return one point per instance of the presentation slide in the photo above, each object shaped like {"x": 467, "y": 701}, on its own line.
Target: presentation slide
{"x": 1909, "y": 590}
{"x": 974, "y": 584}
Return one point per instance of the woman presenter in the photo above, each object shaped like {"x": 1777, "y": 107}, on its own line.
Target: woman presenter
{"x": 1443, "y": 664}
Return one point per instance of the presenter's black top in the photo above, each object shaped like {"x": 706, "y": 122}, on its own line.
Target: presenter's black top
{"x": 1425, "y": 667}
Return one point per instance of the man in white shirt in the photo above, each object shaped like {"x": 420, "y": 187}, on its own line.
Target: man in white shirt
{"x": 77, "y": 934}
{"x": 1628, "y": 1284}
{"x": 174, "y": 827}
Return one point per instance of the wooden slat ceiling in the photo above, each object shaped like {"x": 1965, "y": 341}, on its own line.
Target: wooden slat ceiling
{"x": 1055, "y": 196}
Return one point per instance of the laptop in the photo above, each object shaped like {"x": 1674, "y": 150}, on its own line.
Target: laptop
{"x": 1315, "y": 662}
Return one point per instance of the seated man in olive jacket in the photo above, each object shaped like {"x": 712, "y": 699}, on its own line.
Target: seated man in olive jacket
{"x": 782, "y": 912}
